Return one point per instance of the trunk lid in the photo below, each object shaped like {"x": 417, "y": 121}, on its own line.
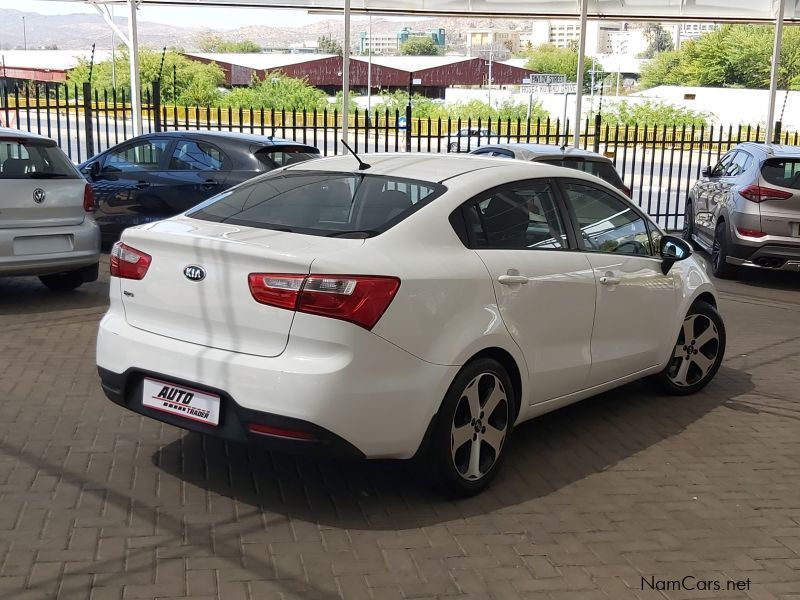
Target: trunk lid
{"x": 219, "y": 311}
{"x": 41, "y": 202}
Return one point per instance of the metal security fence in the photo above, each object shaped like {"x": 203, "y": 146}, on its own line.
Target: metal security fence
{"x": 658, "y": 163}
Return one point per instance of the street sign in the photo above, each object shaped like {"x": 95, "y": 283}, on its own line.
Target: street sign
{"x": 545, "y": 79}
{"x": 416, "y": 81}
{"x": 401, "y": 123}
{"x": 556, "y": 88}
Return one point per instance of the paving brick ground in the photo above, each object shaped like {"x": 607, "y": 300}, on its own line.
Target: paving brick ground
{"x": 98, "y": 503}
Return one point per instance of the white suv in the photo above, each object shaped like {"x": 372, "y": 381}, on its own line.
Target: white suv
{"x": 406, "y": 305}
{"x": 46, "y": 223}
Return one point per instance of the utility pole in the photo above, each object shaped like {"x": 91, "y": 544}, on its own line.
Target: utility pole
{"x": 24, "y": 35}
{"x": 491, "y": 51}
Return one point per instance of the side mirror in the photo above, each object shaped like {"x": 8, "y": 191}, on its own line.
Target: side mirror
{"x": 92, "y": 169}
{"x": 706, "y": 172}
{"x": 673, "y": 249}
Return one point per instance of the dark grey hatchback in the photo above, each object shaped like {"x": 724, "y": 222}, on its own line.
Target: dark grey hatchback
{"x": 159, "y": 175}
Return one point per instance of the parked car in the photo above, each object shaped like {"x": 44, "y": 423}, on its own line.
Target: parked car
{"x": 572, "y": 158}
{"x": 407, "y": 306}
{"x": 745, "y": 211}
{"x": 159, "y": 175}
{"x": 46, "y": 224}
{"x": 467, "y": 138}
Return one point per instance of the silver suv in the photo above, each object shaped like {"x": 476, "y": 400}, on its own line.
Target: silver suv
{"x": 745, "y": 211}
{"x": 46, "y": 225}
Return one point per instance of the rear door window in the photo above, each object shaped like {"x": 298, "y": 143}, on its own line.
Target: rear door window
{"x": 190, "y": 155}
{"x": 782, "y": 172}
{"x": 321, "y": 203}
{"x": 33, "y": 159}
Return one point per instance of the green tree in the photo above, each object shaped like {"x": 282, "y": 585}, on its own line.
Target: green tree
{"x": 196, "y": 83}
{"x": 215, "y": 43}
{"x": 652, "y": 113}
{"x": 328, "y": 45}
{"x": 278, "y": 92}
{"x": 731, "y": 56}
{"x": 419, "y": 46}
{"x": 547, "y": 58}
{"x": 658, "y": 40}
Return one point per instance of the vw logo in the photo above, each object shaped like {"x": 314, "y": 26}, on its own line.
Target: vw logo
{"x": 194, "y": 273}
{"x": 38, "y": 195}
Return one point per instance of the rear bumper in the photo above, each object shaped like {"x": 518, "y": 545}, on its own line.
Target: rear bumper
{"x": 367, "y": 398}
{"x": 84, "y": 252}
{"x": 776, "y": 257}
{"x": 125, "y": 389}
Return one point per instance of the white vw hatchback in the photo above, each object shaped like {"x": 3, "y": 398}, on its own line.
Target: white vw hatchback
{"x": 415, "y": 306}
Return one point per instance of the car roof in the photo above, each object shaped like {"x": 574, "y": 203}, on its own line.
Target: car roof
{"x": 228, "y": 136}
{"x": 23, "y": 135}
{"x": 770, "y": 149}
{"x": 534, "y": 151}
{"x": 437, "y": 168}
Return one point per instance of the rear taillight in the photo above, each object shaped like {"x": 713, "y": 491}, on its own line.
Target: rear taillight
{"x": 359, "y": 299}
{"x": 129, "y": 263}
{"x": 750, "y": 232}
{"x": 88, "y": 199}
{"x": 759, "y": 193}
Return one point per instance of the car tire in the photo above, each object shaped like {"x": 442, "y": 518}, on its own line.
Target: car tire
{"x": 688, "y": 224}
{"x": 719, "y": 253}
{"x": 453, "y": 147}
{"x": 462, "y": 459}
{"x": 63, "y": 282}
{"x": 698, "y": 352}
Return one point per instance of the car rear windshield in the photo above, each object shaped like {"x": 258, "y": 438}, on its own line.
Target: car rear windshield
{"x": 320, "y": 203}
{"x": 33, "y": 159}
{"x": 598, "y": 168}
{"x": 782, "y": 172}
{"x": 283, "y": 156}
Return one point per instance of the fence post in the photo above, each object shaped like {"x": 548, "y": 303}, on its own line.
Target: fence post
{"x": 597, "y": 125}
{"x": 157, "y": 106}
{"x": 776, "y": 138}
{"x": 87, "y": 119}
{"x": 408, "y": 126}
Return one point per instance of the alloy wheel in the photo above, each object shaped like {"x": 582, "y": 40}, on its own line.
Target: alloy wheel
{"x": 479, "y": 428}
{"x": 695, "y": 351}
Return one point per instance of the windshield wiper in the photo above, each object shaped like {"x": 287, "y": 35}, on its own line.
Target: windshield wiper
{"x": 43, "y": 175}
{"x": 356, "y": 234}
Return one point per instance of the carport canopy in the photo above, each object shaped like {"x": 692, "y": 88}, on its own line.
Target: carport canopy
{"x": 716, "y": 11}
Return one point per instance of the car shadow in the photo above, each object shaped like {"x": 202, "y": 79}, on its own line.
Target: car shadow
{"x": 546, "y": 454}
{"x": 27, "y": 295}
{"x": 779, "y": 280}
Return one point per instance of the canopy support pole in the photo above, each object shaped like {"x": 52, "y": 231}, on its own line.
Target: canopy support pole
{"x": 576, "y": 136}
{"x": 346, "y": 73}
{"x": 133, "y": 59}
{"x": 773, "y": 82}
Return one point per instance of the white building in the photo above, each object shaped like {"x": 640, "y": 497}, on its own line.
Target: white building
{"x": 682, "y": 32}
{"x": 561, "y": 32}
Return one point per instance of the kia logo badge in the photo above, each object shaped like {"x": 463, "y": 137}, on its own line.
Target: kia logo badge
{"x": 194, "y": 273}
{"x": 38, "y": 195}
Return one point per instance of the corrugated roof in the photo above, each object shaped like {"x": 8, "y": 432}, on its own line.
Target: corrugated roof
{"x": 54, "y": 60}
{"x": 714, "y": 11}
{"x": 260, "y": 61}
{"x": 414, "y": 63}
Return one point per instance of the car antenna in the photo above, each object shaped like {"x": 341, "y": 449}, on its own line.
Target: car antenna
{"x": 361, "y": 164}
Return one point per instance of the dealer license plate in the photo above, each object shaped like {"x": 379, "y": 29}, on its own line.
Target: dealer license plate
{"x": 181, "y": 401}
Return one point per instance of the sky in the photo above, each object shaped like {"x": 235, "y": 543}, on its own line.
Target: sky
{"x": 216, "y": 18}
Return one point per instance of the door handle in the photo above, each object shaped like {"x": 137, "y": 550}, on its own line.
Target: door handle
{"x": 140, "y": 185}
{"x": 210, "y": 182}
{"x": 512, "y": 279}
{"x": 609, "y": 280}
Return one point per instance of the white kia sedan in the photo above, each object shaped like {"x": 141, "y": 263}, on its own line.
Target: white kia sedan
{"x": 405, "y": 306}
